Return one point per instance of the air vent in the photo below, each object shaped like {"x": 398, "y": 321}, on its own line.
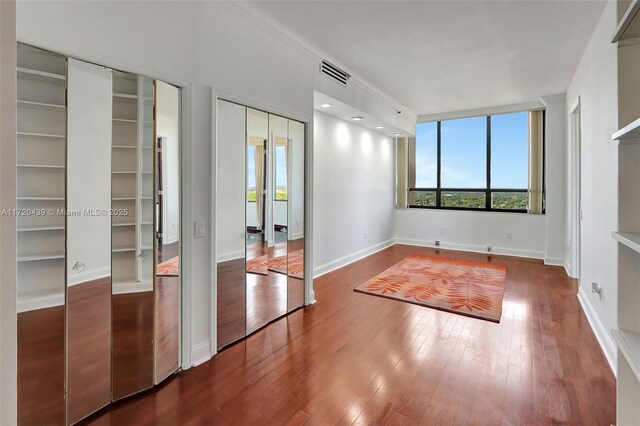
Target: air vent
{"x": 334, "y": 73}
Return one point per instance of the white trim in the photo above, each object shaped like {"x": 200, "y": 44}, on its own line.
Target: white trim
{"x": 200, "y": 353}
{"x": 276, "y": 28}
{"x": 230, "y": 255}
{"x": 604, "y": 338}
{"x": 186, "y": 236}
{"x": 476, "y": 112}
{"x": 350, "y": 258}
{"x": 213, "y": 266}
{"x": 567, "y": 268}
{"x": 40, "y": 300}
{"x": 131, "y": 287}
{"x": 85, "y": 276}
{"x": 503, "y": 251}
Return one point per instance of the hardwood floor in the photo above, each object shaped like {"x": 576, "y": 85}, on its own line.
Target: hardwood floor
{"x": 357, "y": 359}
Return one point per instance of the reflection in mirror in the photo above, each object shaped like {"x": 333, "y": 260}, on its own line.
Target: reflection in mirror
{"x": 88, "y": 239}
{"x": 41, "y": 239}
{"x": 256, "y": 219}
{"x": 167, "y": 226}
{"x": 277, "y": 217}
{"x": 295, "y": 250}
{"x": 132, "y": 234}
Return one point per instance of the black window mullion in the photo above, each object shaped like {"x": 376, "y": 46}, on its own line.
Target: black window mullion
{"x": 487, "y": 201}
{"x": 439, "y": 165}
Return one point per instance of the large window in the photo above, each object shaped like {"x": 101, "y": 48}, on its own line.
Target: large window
{"x": 479, "y": 163}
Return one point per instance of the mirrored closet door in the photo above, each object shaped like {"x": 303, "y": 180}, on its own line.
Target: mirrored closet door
{"x": 99, "y": 241}
{"x": 260, "y": 219}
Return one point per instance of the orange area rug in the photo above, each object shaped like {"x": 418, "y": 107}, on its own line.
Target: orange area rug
{"x": 291, "y": 264}
{"x": 170, "y": 268}
{"x": 468, "y": 288}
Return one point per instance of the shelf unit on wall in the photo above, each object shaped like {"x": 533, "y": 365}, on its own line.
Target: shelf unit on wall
{"x": 41, "y": 166}
{"x": 627, "y": 333}
{"x": 131, "y": 254}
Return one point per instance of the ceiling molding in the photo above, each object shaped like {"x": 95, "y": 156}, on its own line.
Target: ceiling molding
{"x": 477, "y": 112}
{"x": 294, "y": 39}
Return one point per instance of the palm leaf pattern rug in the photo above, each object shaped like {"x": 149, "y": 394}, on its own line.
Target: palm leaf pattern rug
{"x": 469, "y": 288}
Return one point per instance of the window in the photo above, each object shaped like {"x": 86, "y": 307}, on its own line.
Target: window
{"x": 281, "y": 173}
{"x": 478, "y": 163}
{"x": 251, "y": 173}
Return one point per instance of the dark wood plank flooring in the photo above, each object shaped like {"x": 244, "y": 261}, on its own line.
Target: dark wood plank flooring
{"x": 358, "y": 359}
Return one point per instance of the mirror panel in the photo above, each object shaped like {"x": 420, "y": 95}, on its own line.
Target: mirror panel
{"x": 40, "y": 285}
{"x": 257, "y": 135}
{"x": 230, "y": 231}
{"x": 167, "y": 225}
{"x": 88, "y": 239}
{"x": 277, "y": 216}
{"x": 132, "y": 235}
{"x": 295, "y": 249}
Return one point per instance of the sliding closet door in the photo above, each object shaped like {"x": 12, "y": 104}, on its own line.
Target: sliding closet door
{"x": 88, "y": 239}
{"x": 295, "y": 236}
{"x": 230, "y": 226}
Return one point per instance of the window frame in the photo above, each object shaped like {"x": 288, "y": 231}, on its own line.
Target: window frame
{"x": 488, "y": 191}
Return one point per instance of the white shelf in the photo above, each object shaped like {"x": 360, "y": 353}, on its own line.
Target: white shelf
{"x": 123, "y": 147}
{"x": 628, "y": 239}
{"x": 34, "y": 228}
{"x": 131, "y": 172}
{"x": 629, "y": 133}
{"x": 40, "y": 105}
{"x": 125, "y": 96}
{"x": 43, "y": 256}
{"x": 124, "y": 120}
{"x": 122, "y": 249}
{"x": 40, "y": 135}
{"x": 39, "y": 166}
{"x": 40, "y": 198}
{"x": 629, "y": 344}
{"x": 123, "y": 199}
{"x": 124, "y": 224}
{"x": 40, "y": 75}
{"x": 628, "y": 26}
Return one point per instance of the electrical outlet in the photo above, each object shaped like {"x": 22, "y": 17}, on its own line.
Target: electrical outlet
{"x": 489, "y": 248}
{"x": 199, "y": 229}
{"x": 437, "y": 243}
{"x": 508, "y": 235}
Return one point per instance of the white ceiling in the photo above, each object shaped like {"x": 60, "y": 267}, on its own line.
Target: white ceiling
{"x": 438, "y": 56}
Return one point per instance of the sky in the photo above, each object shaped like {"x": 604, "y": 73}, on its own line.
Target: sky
{"x": 464, "y": 152}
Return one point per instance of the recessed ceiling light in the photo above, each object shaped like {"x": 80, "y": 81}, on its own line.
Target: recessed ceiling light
{"x": 326, "y": 105}
{"x": 379, "y": 127}
{"x": 397, "y": 134}
{"x": 357, "y": 118}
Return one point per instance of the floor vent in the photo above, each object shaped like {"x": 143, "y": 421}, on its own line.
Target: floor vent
{"x": 334, "y": 73}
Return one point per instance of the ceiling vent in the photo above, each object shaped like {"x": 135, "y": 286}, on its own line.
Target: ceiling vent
{"x": 334, "y": 73}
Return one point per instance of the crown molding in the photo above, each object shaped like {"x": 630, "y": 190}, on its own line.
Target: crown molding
{"x": 294, "y": 39}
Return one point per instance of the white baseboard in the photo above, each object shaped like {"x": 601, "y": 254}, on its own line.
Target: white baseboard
{"x": 567, "y": 269}
{"x": 603, "y": 336}
{"x": 124, "y": 288}
{"x": 505, "y": 251}
{"x": 555, "y": 261}
{"x": 296, "y": 236}
{"x": 231, "y": 255}
{"x": 88, "y": 275}
{"x": 350, "y": 258}
{"x": 39, "y": 300}
{"x": 201, "y": 353}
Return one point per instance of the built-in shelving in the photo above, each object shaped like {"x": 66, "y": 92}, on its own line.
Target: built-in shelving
{"x": 628, "y": 239}
{"x": 629, "y": 25}
{"x": 41, "y": 135}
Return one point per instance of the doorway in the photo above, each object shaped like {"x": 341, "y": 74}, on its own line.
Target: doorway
{"x": 576, "y": 205}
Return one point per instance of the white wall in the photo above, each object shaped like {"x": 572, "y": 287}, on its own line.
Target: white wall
{"x": 354, "y": 192}
{"x": 168, "y": 126}
{"x": 473, "y": 231}
{"x": 218, "y": 46}
{"x": 88, "y": 238}
{"x": 595, "y": 82}
{"x": 8, "y": 365}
